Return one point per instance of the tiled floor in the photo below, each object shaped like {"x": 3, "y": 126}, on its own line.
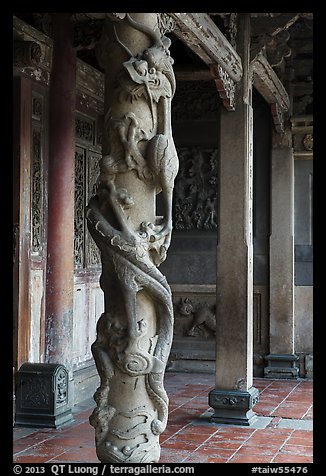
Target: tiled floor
{"x": 281, "y": 434}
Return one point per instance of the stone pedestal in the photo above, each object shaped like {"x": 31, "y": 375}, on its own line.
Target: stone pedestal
{"x": 282, "y": 362}
{"x": 234, "y": 406}
{"x": 42, "y": 395}
{"x": 134, "y": 334}
{"x": 234, "y": 395}
{"x": 282, "y": 366}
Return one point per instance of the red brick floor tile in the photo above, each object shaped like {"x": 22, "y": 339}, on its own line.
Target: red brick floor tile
{"x": 234, "y": 433}
{"x": 23, "y": 458}
{"x": 284, "y": 383}
{"x": 199, "y": 458}
{"x": 309, "y": 415}
{"x": 223, "y": 444}
{"x": 257, "y": 447}
{"x": 173, "y": 456}
{"x": 297, "y": 450}
{"x": 274, "y": 394}
{"x": 304, "y": 438}
{"x": 289, "y": 458}
{"x": 257, "y": 450}
{"x": 197, "y": 438}
{"x": 174, "y": 443}
{"x": 307, "y": 384}
{"x": 40, "y": 451}
{"x": 249, "y": 459}
{"x": 300, "y": 396}
{"x": 264, "y": 409}
{"x": 201, "y": 428}
{"x": 33, "y": 439}
{"x": 213, "y": 452}
{"x": 291, "y": 410}
{"x": 189, "y": 437}
{"x": 87, "y": 455}
{"x": 267, "y": 437}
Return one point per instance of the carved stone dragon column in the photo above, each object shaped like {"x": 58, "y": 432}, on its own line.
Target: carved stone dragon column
{"x": 134, "y": 334}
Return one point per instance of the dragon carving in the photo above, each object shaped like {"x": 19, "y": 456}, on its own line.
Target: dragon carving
{"x": 134, "y": 334}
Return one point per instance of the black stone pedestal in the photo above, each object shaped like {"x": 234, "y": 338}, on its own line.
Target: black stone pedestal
{"x": 234, "y": 406}
{"x": 42, "y": 396}
{"x": 282, "y": 366}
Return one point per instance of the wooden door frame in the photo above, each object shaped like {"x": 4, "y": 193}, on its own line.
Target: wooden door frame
{"x": 22, "y": 114}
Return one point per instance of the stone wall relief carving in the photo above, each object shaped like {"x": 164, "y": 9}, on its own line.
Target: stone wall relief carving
{"x": 195, "y": 189}
{"x": 134, "y": 334}
{"x": 195, "y": 318}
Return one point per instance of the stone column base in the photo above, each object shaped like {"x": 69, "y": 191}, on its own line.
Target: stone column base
{"x": 234, "y": 406}
{"x": 282, "y": 366}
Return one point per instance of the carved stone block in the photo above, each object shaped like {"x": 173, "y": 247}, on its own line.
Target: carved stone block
{"x": 42, "y": 396}
{"x": 195, "y": 189}
{"x": 233, "y": 406}
{"x": 193, "y": 347}
{"x": 282, "y": 366}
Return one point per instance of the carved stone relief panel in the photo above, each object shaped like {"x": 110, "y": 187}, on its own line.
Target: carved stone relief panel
{"x": 195, "y": 328}
{"x": 36, "y": 393}
{"x": 37, "y": 192}
{"x": 196, "y": 189}
{"x": 194, "y": 317}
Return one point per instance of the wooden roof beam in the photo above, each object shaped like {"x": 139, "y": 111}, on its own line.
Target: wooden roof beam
{"x": 267, "y": 83}
{"x": 203, "y": 37}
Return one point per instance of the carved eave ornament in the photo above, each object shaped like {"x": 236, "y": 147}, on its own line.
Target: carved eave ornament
{"x": 225, "y": 85}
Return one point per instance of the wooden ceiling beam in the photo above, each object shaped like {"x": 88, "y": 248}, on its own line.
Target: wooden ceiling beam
{"x": 267, "y": 83}
{"x": 203, "y": 37}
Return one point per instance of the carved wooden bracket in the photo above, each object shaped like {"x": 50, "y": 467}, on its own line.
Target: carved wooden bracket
{"x": 27, "y": 53}
{"x": 225, "y": 86}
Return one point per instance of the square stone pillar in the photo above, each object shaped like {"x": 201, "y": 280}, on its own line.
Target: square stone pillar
{"x": 282, "y": 362}
{"x": 234, "y": 396}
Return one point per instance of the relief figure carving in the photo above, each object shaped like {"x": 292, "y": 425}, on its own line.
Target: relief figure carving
{"x": 203, "y": 318}
{"x": 134, "y": 334}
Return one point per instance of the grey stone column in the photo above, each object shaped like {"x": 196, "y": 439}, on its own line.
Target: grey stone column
{"x": 282, "y": 360}
{"x": 234, "y": 395}
{"x": 134, "y": 334}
